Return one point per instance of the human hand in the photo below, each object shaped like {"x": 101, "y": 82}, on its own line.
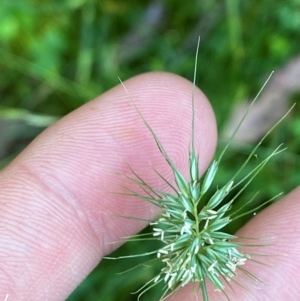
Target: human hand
{"x": 56, "y": 213}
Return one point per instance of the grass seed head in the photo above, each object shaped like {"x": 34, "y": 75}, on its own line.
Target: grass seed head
{"x": 194, "y": 245}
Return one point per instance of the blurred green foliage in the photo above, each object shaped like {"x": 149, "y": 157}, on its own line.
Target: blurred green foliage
{"x": 57, "y": 55}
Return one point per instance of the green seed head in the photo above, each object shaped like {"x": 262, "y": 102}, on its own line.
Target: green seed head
{"x": 195, "y": 246}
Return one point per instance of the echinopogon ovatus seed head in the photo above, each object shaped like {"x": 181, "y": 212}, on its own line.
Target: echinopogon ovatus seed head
{"x": 194, "y": 245}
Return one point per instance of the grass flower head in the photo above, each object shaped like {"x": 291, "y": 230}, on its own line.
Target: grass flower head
{"x": 194, "y": 245}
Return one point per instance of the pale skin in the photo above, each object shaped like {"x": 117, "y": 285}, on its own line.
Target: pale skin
{"x": 57, "y": 215}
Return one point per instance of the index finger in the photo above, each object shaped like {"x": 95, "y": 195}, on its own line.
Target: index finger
{"x": 56, "y": 213}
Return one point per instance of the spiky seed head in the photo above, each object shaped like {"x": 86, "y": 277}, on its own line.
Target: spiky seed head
{"x": 195, "y": 246}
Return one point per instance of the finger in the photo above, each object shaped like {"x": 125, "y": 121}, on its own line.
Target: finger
{"x": 280, "y": 225}
{"x": 57, "y": 215}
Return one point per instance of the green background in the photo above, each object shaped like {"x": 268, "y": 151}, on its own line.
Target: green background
{"x": 57, "y": 55}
